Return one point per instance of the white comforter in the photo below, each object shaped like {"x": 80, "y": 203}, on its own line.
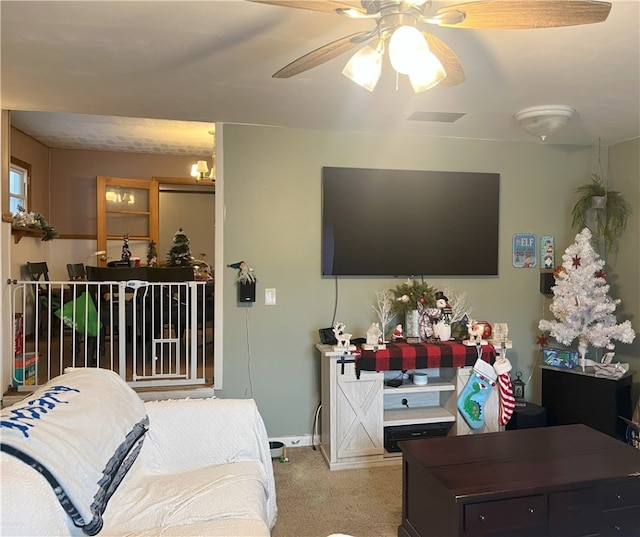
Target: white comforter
{"x": 204, "y": 469}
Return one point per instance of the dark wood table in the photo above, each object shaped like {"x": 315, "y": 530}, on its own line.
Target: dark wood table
{"x": 559, "y": 481}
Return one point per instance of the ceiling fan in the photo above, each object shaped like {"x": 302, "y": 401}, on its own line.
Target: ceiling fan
{"x": 426, "y": 59}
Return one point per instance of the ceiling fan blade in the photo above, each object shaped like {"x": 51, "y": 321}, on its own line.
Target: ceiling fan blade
{"x": 448, "y": 59}
{"x": 327, "y": 6}
{"x": 526, "y": 14}
{"x": 320, "y": 55}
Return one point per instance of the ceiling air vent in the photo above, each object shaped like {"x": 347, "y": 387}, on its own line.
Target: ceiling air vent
{"x": 442, "y": 117}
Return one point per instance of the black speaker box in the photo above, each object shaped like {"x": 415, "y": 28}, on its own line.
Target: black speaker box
{"x": 327, "y": 337}
{"x": 528, "y": 416}
{"x": 547, "y": 281}
{"x": 246, "y": 292}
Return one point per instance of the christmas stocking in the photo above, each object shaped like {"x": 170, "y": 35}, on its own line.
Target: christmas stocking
{"x": 474, "y": 395}
{"x": 502, "y": 367}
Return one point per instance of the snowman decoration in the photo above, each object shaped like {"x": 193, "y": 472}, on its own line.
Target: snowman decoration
{"x": 442, "y": 326}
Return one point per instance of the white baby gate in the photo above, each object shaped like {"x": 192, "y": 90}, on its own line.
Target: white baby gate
{"x": 153, "y": 334}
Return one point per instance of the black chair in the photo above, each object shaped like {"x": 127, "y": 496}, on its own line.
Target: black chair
{"x": 140, "y": 312}
{"x": 47, "y": 300}
{"x": 104, "y": 296}
{"x": 170, "y": 306}
{"x": 76, "y": 271}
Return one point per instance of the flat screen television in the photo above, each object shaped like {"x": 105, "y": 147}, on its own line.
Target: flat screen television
{"x": 409, "y": 223}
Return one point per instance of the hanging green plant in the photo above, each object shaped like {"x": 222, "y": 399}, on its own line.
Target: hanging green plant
{"x": 609, "y": 221}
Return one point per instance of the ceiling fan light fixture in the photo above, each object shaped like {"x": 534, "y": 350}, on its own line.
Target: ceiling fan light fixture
{"x": 427, "y": 73}
{"x": 544, "y": 121}
{"x": 365, "y": 67}
{"x": 406, "y": 47}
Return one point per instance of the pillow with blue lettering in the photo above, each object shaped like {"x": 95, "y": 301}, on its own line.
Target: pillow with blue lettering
{"x": 82, "y": 431}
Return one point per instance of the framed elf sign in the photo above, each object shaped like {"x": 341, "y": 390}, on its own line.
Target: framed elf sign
{"x": 525, "y": 252}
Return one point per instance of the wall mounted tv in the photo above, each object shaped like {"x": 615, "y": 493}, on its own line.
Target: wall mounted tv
{"x": 409, "y": 223}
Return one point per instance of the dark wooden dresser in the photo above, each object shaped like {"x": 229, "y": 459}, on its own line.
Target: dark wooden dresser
{"x": 571, "y": 396}
{"x": 560, "y": 481}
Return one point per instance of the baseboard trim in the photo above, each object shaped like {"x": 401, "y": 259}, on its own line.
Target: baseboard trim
{"x": 294, "y": 441}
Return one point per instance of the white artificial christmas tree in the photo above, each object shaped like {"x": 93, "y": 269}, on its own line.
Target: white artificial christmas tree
{"x": 581, "y": 305}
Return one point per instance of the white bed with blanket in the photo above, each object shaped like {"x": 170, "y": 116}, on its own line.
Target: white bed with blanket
{"x": 83, "y": 455}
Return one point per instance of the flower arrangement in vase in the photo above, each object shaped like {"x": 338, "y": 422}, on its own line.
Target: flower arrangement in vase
{"x": 413, "y": 299}
{"x": 409, "y": 294}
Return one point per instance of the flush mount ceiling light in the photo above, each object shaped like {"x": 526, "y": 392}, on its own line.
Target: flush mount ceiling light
{"x": 200, "y": 170}
{"x": 544, "y": 121}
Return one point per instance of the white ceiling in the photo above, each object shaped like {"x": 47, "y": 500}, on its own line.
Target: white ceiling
{"x": 154, "y": 76}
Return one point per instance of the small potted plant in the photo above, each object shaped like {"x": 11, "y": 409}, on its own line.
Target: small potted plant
{"x": 606, "y": 210}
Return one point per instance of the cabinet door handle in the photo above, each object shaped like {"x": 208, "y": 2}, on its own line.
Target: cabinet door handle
{"x": 482, "y": 518}
{"x": 530, "y": 510}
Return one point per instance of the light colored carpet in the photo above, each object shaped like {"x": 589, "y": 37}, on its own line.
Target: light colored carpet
{"x": 316, "y": 502}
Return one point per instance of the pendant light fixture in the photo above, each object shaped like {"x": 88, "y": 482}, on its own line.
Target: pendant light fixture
{"x": 200, "y": 170}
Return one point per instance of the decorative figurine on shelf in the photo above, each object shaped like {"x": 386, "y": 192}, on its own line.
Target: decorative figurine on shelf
{"x": 343, "y": 339}
{"x": 374, "y": 338}
{"x": 475, "y": 332}
{"x": 425, "y": 324}
{"x": 152, "y": 254}
{"x": 442, "y": 325}
{"x": 499, "y": 336}
{"x": 479, "y": 332}
{"x": 518, "y": 390}
{"x": 442, "y": 303}
{"x": 373, "y": 334}
{"x": 397, "y": 333}
{"x": 126, "y": 253}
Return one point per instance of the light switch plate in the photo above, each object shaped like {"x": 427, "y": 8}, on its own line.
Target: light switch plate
{"x": 270, "y": 297}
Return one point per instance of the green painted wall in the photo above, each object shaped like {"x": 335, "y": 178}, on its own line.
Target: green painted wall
{"x": 272, "y": 179}
{"x": 624, "y": 175}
